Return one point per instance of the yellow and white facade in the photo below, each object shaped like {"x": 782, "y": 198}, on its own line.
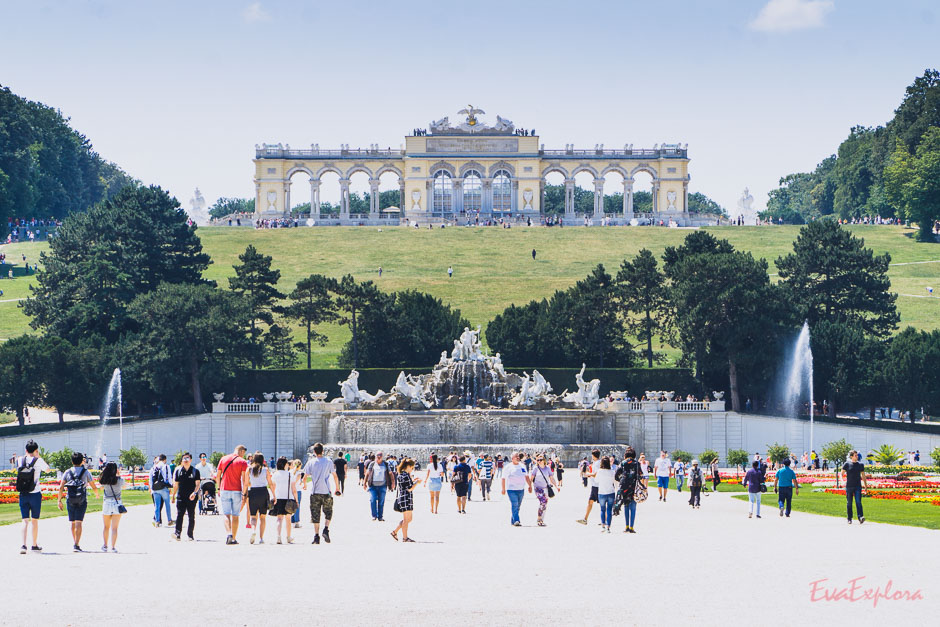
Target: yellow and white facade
{"x": 472, "y": 170}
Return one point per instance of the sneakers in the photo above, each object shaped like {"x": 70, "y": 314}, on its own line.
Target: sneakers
{"x": 114, "y": 549}
{"x": 261, "y": 541}
{"x": 781, "y": 509}
{"x": 104, "y": 548}
{"x": 190, "y": 539}
{"x": 517, "y": 524}
{"x": 758, "y": 515}
{"x": 850, "y": 521}
{"x": 632, "y": 530}
{"x": 228, "y": 539}
{"x": 251, "y": 540}
{"x": 279, "y": 540}
{"x": 156, "y": 523}
{"x": 176, "y": 536}
{"x": 316, "y": 539}
{"x": 76, "y": 549}
{"x": 581, "y": 522}
{"x": 37, "y": 549}
{"x": 861, "y": 520}
{"x": 326, "y": 535}
{"x": 751, "y": 515}
{"x": 290, "y": 540}
{"x": 23, "y": 550}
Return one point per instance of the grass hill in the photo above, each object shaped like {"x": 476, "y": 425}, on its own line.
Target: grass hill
{"x": 494, "y": 267}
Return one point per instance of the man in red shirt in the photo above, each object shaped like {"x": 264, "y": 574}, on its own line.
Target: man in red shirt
{"x": 231, "y": 489}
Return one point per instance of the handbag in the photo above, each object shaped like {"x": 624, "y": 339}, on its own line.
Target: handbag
{"x": 121, "y": 508}
{"x": 548, "y": 484}
{"x": 640, "y": 492}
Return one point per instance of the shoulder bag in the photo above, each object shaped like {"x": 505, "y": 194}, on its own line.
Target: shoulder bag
{"x": 548, "y": 485}
{"x": 121, "y": 508}
{"x": 291, "y": 505}
{"x": 639, "y": 492}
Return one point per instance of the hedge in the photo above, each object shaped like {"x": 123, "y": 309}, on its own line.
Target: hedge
{"x": 635, "y": 380}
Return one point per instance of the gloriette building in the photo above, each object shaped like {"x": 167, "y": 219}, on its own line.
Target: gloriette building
{"x": 472, "y": 169}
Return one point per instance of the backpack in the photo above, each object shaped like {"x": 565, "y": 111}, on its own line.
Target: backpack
{"x": 77, "y": 495}
{"x": 696, "y": 477}
{"x": 157, "y": 481}
{"x": 26, "y": 477}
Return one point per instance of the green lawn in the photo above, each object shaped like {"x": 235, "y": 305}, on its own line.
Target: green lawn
{"x": 10, "y": 512}
{"x": 6, "y": 418}
{"x": 493, "y": 267}
{"x": 876, "y": 510}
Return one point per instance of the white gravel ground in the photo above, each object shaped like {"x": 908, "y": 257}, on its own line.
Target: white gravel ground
{"x": 698, "y": 567}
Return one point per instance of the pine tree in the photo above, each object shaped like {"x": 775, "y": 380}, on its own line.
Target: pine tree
{"x": 311, "y": 304}
{"x": 256, "y": 282}
{"x": 642, "y": 296}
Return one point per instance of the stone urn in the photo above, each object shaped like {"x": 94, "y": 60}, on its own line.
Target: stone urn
{"x": 218, "y": 396}
{"x": 670, "y": 395}
{"x": 719, "y": 396}
{"x": 318, "y": 396}
{"x": 268, "y": 396}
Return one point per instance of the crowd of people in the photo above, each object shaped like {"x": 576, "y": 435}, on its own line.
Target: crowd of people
{"x": 30, "y": 229}
{"x": 258, "y": 488}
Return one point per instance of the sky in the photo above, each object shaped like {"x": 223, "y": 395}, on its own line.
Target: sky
{"x": 179, "y": 93}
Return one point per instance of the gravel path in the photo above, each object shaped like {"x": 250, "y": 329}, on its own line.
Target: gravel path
{"x": 699, "y": 567}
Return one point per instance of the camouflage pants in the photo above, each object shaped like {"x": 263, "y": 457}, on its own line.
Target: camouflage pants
{"x": 318, "y": 502}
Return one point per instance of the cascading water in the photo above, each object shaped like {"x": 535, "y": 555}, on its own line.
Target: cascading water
{"x": 799, "y": 378}
{"x": 112, "y": 397}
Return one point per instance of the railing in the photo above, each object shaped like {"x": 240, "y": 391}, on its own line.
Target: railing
{"x": 633, "y": 153}
{"x": 300, "y": 406}
{"x": 277, "y": 152}
{"x": 243, "y": 408}
{"x": 696, "y": 406}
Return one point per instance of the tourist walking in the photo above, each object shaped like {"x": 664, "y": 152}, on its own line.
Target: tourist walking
{"x": 404, "y": 501}
{"x": 186, "y": 481}
{"x": 160, "y": 491}
{"x": 583, "y": 470}
{"x": 604, "y": 479}
{"x": 485, "y": 474}
{"x": 662, "y": 468}
{"x": 542, "y": 481}
{"x": 340, "y": 464}
{"x": 679, "y": 470}
{"x": 285, "y": 493}
{"x": 644, "y": 465}
{"x": 515, "y": 479}
{"x": 76, "y": 480}
{"x": 633, "y": 484}
{"x": 784, "y": 483}
{"x": 716, "y": 478}
{"x": 380, "y": 477}
{"x": 260, "y": 494}
{"x": 29, "y": 468}
{"x": 560, "y": 472}
{"x": 589, "y": 475}
{"x": 318, "y": 472}
{"x": 206, "y": 478}
{"x": 111, "y": 483}
{"x": 434, "y": 479}
{"x": 460, "y": 479}
{"x": 753, "y": 480}
{"x": 232, "y": 486}
{"x": 362, "y": 468}
{"x": 450, "y": 271}
{"x": 696, "y": 480}
{"x": 296, "y": 467}
{"x": 854, "y": 475}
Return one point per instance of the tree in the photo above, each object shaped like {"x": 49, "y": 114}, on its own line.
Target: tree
{"x": 100, "y": 260}
{"x": 197, "y": 329}
{"x": 526, "y": 336}
{"x": 700, "y": 203}
{"x": 642, "y": 296}
{"x": 777, "y": 452}
{"x": 60, "y": 460}
{"x": 910, "y": 367}
{"x": 935, "y": 454}
{"x": 836, "y": 452}
{"x": 888, "y": 455}
{"x": 68, "y": 373}
{"x": 279, "y": 347}
{"x": 311, "y": 304}
{"x": 707, "y": 456}
{"x": 256, "y": 283}
{"x": 683, "y": 456}
{"x": 132, "y": 457}
{"x": 215, "y": 458}
{"x": 912, "y": 183}
{"x": 352, "y": 298}
{"x": 737, "y": 458}
{"x": 593, "y": 331}
{"x": 227, "y": 206}
{"x": 21, "y": 374}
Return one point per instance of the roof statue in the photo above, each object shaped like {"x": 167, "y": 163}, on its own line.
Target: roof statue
{"x": 471, "y": 114}
{"x": 473, "y": 125}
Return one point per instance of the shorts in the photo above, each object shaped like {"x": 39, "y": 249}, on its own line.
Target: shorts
{"x": 110, "y": 508}
{"x": 593, "y": 496}
{"x": 257, "y": 501}
{"x": 435, "y": 484}
{"x": 76, "y": 512}
{"x": 662, "y": 482}
{"x": 30, "y": 504}
{"x": 231, "y": 502}
{"x": 280, "y": 508}
{"x": 461, "y": 489}
{"x": 318, "y": 502}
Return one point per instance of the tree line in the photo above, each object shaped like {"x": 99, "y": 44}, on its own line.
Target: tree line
{"x": 888, "y": 171}
{"x": 47, "y": 169}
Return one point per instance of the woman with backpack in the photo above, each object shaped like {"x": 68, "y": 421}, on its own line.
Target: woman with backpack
{"x": 542, "y": 479}
{"x": 111, "y": 507}
{"x": 258, "y": 479}
{"x": 696, "y": 479}
{"x": 434, "y": 479}
{"x": 404, "y": 501}
{"x": 633, "y": 487}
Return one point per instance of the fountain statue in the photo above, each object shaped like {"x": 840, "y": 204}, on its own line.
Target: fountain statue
{"x": 352, "y": 395}
{"x": 588, "y": 392}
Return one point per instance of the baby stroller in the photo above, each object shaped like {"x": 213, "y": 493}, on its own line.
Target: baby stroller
{"x": 207, "y": 500}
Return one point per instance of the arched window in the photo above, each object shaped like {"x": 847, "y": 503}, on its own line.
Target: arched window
{"x": 502, "y": 192}
{"x": 443, "y": 189}
{"x": 472, "y": 191}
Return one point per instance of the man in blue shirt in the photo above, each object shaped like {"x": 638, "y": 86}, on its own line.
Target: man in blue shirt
{"x": 784, "y": 482}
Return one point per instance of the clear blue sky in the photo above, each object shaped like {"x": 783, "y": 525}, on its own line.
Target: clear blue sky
{"x": 178, "y": 93}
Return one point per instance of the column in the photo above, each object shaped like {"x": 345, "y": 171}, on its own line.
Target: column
{"x": 685, "y": 197}
{"x": 656, "y": 196}
{"x": 315, "y": 199}
{"x": 541, "y": 197}
{"x": 258, "y": 198}
{"x": 598, "y": 198}
{"x": 344, "y": 199}
{"x": 458, "y": 197}
{"x": 402, "y": 201}
{"x": 486, "y": 203}
{"x": 569, "y": 199}
{"x": 373, "y": 199}
{"x": 628, "y": 199}
{"x": 287, "y": 198}
{"x": 514, "y": 199}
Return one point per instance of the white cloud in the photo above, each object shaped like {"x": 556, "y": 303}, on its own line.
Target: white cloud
{"x": 782, "y": 16}
{"x": 255, "y": 13}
